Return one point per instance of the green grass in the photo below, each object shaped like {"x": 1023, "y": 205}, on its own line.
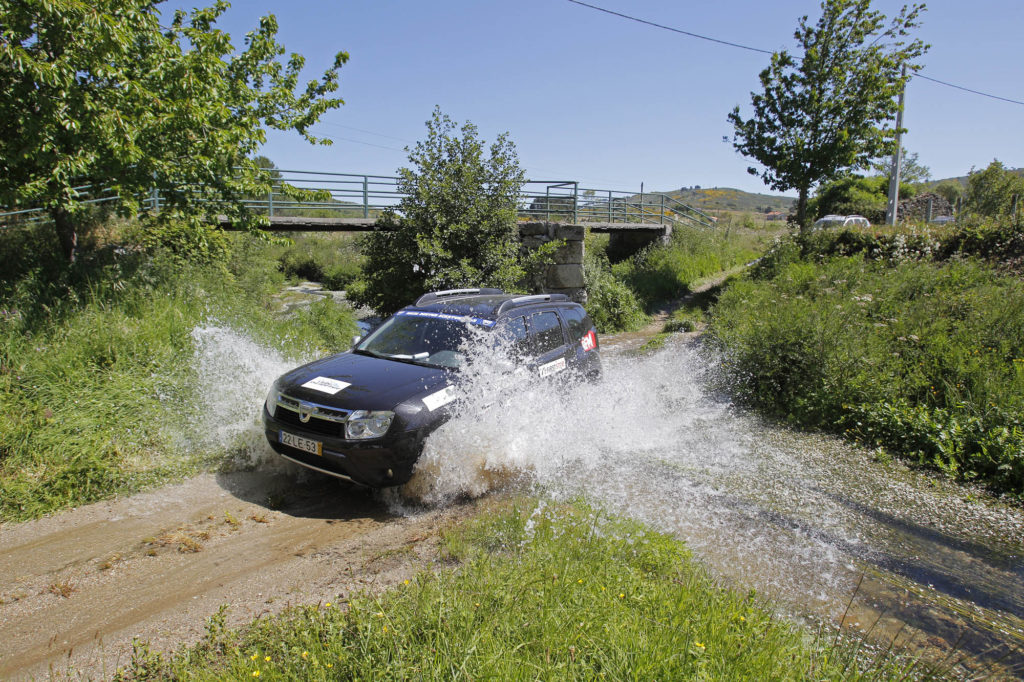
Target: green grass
{"x": 539, "y": 592}
{"x": 665, "y": 272}
{"x": 888, "y": 346}
{"x": 621, "y": 294}
{"x": 332, "y": 259}
{"x": 97, "y": 383}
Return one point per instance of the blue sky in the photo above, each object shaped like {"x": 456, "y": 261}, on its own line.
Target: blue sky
{"x": 612, "y": 103}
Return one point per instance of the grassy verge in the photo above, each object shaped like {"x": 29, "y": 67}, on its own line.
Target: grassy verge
{"x": 621, "y": 294}
{"x": 97, "y": 380}
{"x": 883, "y": 339}
{"x": 539, "y": 593}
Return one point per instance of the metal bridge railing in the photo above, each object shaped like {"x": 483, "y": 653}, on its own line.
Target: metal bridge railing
{"x": 350, "y": 195}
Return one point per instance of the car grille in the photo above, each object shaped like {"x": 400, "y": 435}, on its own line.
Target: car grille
{"x": 323, "y": 419}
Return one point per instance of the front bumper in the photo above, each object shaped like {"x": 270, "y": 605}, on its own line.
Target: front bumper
{"x": 376, "y": 463}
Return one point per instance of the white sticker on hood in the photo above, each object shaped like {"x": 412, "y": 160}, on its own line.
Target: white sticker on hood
{"x": 439, "y": 399}
{"x": 552, "y": 367}
{"x": 326, "y": 385}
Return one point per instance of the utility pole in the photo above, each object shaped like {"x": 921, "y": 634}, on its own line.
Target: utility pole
{"x": 897, "y": 158}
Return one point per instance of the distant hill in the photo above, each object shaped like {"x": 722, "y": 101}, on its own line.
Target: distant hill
{"x": 727, "y": 199}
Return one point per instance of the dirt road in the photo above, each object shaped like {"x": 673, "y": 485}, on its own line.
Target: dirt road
{"x": 79, "y": 586}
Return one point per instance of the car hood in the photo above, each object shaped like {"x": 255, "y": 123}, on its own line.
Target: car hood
{"x": 372, "y": 383}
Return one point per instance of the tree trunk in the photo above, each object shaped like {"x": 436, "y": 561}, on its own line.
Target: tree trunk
{"x": 66, "y": 233}
{"x": 801, "y": 212}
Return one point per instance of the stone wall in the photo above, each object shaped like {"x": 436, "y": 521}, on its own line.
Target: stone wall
{"x": 565, "y": 275}
{"x": 916, "y": 209}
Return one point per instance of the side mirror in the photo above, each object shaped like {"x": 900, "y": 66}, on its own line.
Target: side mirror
{"x": 356, "y": 340}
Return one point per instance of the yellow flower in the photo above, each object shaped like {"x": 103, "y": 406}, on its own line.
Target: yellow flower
{"x": 385, "y": 629}
{"x": 255, "y": 673}
{"x": 621, "y": 595}
{"x": 267, "y": 659}
{"x": 380, "y": 614}
{"x": 305, "y": 654}
{"x": 330, "y": 665}
{"x": 253, "y": 657}
{"x": 580, "y": 581}
{"x": 407, "y": 581}
{"x": 328, "y": 604}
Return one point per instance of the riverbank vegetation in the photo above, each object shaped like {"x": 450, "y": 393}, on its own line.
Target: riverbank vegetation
{"x": 912, "y": 341}
{"x": 620, "y": 295}
{"x": 98, "y": 385}
{"x": 537, "y": 592}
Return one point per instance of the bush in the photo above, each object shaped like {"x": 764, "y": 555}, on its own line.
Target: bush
{"x": 610, "y": 303}
{"x": 885, "y": 351}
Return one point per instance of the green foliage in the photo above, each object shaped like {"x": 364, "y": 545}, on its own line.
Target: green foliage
{"x": 828, "y": 111}
{"x": 561, "y": 593}
{"x": 456, "y": 224}
{"x": 111, "y": 95}
{"x": 991, "y": 192}
{"x": 667, "y": 271}
{"x": 855, "y": 195}
{"x": 97, "y": 382}
{"x": 950, "y": 190}
{"x": 610, "y": 303}
{"x": 333, "y": 260}
{"x": 926, "y": 358}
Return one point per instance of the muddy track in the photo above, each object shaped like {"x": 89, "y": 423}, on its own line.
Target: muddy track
{"x": 78, "y": 587}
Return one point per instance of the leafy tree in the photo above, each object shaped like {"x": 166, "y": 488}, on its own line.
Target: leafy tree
{"x": 455, "y": 225}
{"x": 990, "y": 192}
{"x": 911, "y": 170}
{"x": 950, "y": 190}
{"x": 855, "y": 195}
{"x": 830, "y": 110}
{"x": 101, "y": 94}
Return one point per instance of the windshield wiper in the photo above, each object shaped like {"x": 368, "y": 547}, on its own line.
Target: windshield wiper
{"x": 416, "y": 359}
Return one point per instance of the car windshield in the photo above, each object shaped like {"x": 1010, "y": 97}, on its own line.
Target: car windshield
{"x": 429, "y": 340}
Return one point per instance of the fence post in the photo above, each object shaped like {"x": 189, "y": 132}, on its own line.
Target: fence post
{"x": 928, "y": 213}
{"x": 610, "y": 206}
{"x": 366, "y": 197}
{"x": 662, "y": 220}
{"x": 643, "y": 214}
{"x": 547, "y": 203}
{"x": 270, "y": 201}
{"x": 575, "y": 203}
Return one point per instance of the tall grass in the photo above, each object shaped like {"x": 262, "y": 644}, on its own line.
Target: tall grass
{"x": 97, "y": 381}
{"x": 925, "y": 358}
{"x": 539, "y": 593}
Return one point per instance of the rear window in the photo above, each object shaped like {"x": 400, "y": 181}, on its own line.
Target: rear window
{"x": 546, "y": 331}
{"x": 579, "y": 323}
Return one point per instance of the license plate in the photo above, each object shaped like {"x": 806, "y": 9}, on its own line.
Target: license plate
{"x": 314, "y": 447}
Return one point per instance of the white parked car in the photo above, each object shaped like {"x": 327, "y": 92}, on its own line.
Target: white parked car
{"x": 841, "y": 221}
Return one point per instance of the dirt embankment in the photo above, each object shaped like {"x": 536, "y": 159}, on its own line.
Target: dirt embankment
{"x": 76, "y": 588}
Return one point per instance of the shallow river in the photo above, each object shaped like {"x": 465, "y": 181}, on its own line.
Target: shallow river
{"x": 827, "y": 530}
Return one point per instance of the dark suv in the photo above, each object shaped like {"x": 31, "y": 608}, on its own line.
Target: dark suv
{"x": 363, "y": 415}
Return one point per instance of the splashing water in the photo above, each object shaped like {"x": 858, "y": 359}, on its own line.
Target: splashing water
{"x": 797, "y": 516}
{"x": 234, "y": 374}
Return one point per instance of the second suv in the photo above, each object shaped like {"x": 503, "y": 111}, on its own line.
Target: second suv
{"x": 362, "y": 415}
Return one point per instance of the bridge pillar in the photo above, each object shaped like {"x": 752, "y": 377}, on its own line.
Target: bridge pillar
{"x": 565, "y": 275}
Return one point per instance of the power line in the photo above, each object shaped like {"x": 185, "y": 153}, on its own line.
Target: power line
{"x": 757, "y": 49}
{"x": 368, "y": 132}
{"x": 669, "y": 28}
{"x": 976, "y": 92}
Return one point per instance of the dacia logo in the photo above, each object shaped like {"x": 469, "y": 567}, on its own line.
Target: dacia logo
{"x": 306, "y": 410}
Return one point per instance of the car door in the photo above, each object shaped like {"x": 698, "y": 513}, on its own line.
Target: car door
{"x": 549, "y": 341}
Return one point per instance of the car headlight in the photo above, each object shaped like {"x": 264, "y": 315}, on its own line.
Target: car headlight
{"x": 363, "y": 424}
{"x": 272, "y": 398}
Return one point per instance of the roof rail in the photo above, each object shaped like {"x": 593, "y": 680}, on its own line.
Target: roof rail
{"x": 526, "y": 300}
{"x": 435, "y": 295}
